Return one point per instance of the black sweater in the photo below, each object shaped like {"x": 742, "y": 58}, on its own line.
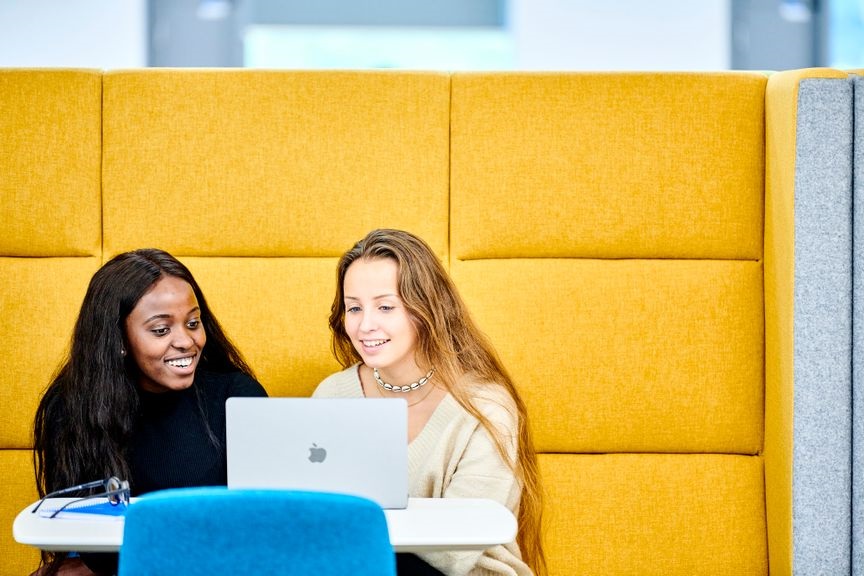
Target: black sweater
{"x": 170, "y": 447}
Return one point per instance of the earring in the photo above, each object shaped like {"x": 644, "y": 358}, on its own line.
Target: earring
{"x": 123, "y": 352}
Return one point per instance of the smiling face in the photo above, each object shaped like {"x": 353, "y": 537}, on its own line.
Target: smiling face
{"x": 377, "y": 321}
{"x": 165, "y": 336}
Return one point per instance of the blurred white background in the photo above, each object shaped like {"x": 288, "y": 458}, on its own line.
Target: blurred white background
{"x": 446, "y": 34}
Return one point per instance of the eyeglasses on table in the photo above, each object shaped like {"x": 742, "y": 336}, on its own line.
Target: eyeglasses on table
{"x": 114, "y": 489}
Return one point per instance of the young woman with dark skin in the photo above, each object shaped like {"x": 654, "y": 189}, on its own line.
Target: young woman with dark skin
{"x": 141, "y": 395}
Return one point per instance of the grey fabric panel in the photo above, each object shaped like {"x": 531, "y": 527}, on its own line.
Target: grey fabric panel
{"x": 822, "y": 444}
{"x": 858, "y": 337}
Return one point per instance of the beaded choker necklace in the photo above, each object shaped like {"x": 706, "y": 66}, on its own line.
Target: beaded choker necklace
{"x": 426, "y": 395}
{"x": 397, "y": 388}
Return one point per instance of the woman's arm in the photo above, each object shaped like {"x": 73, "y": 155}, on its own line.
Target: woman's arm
{"x": 480, "y": 471}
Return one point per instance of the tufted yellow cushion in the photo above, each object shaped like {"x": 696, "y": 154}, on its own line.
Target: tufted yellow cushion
{"x": 607, "y": 165}
{"x": 631, "y": 355}
{"x": 275, "y": 310}
{"x": 40, "y": 299}
{"x": 50, "y": 127}
{"x": 684, "y": 514}
{"x": 607, "y": 235}
{"x": 17, "y": 490}
{"x": 263, "y": 163}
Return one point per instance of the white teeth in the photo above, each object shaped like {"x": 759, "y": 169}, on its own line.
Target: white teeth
{"x": 375, "y": 342}
{"x": 180, "y": 362}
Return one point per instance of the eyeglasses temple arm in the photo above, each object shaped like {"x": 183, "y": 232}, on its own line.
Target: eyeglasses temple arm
{"x": 108, "y": 494}
{"x": 85, "y": 486}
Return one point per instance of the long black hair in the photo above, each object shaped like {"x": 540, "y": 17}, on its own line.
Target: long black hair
{"x": 86, "y": 416}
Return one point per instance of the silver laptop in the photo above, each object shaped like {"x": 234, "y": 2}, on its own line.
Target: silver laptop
{"x": 348, "y": 445}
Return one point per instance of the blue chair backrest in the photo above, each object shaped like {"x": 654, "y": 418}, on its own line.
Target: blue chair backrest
{"x": 211, "y": 531}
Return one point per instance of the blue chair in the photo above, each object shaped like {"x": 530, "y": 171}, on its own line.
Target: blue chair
{"x": 212, "y": 531}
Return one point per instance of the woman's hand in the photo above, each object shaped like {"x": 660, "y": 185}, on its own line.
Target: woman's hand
{"x": 70, "y": 567}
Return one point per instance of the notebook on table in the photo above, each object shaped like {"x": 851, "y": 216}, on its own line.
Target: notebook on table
{"x": 347, "y": 445}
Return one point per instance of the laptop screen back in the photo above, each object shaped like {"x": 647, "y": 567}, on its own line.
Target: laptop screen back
{"x": 348, "y": 445}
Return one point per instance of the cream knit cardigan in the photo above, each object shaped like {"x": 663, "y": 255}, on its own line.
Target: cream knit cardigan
{"x": 455, "y": 457}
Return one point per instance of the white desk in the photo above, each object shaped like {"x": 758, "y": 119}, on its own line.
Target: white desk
{"x": 426, "y": 524}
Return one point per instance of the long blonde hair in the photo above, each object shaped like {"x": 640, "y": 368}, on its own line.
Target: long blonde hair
{"x": 448, "y": 339}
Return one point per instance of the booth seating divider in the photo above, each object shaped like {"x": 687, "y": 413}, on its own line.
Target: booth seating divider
{"x": 663, "y": 260}
{"x": 858, "y": 330}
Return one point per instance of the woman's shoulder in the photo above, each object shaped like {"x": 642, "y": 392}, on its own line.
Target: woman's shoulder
{"x": 53, "y": 405}
{"x": 345, "y": 383}
{"x": 228, "y": 384}
{"x": 492, "y": 399}
{"x": 58, "y": 399}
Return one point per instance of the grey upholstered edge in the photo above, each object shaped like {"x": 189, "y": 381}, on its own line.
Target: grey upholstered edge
{"x": 858, "y": 333}
{"x": 822, "y": 429}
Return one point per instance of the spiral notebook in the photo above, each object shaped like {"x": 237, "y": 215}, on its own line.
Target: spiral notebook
{"x": 347, "y": 445}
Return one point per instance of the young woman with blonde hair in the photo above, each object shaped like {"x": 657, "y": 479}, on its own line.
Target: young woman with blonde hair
{"x": 400, "y": 329}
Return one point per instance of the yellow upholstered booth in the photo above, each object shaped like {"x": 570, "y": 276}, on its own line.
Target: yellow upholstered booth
{"x": 619, "y": 272}
{"x": 50, "y": 245}
{"x": 259, "y": 201}
{"x": 632, "y": 243}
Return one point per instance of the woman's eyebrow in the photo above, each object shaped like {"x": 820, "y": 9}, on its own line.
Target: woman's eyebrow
{"x": 165, "y": 315}
{"x": 374, "y": 297}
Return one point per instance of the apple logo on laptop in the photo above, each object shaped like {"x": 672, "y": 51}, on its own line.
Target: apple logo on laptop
{"x": 317, "y": 454}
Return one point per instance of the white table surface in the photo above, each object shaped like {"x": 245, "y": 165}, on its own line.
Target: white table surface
{"x": 426, "y": 524}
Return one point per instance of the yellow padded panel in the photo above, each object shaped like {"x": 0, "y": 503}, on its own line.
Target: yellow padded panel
{"x": 615, "y": 165}
{"x": 275, "y": 310}
{"x": 50, "y": 127}
{"x": 40, "y": 299}
{"x": 273, "y": 163}
{"x": 628, "y": 355}
{"x": 626, "y": 514}
{"x": 17, "y": 490}
{"x": 780, "y": 125}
